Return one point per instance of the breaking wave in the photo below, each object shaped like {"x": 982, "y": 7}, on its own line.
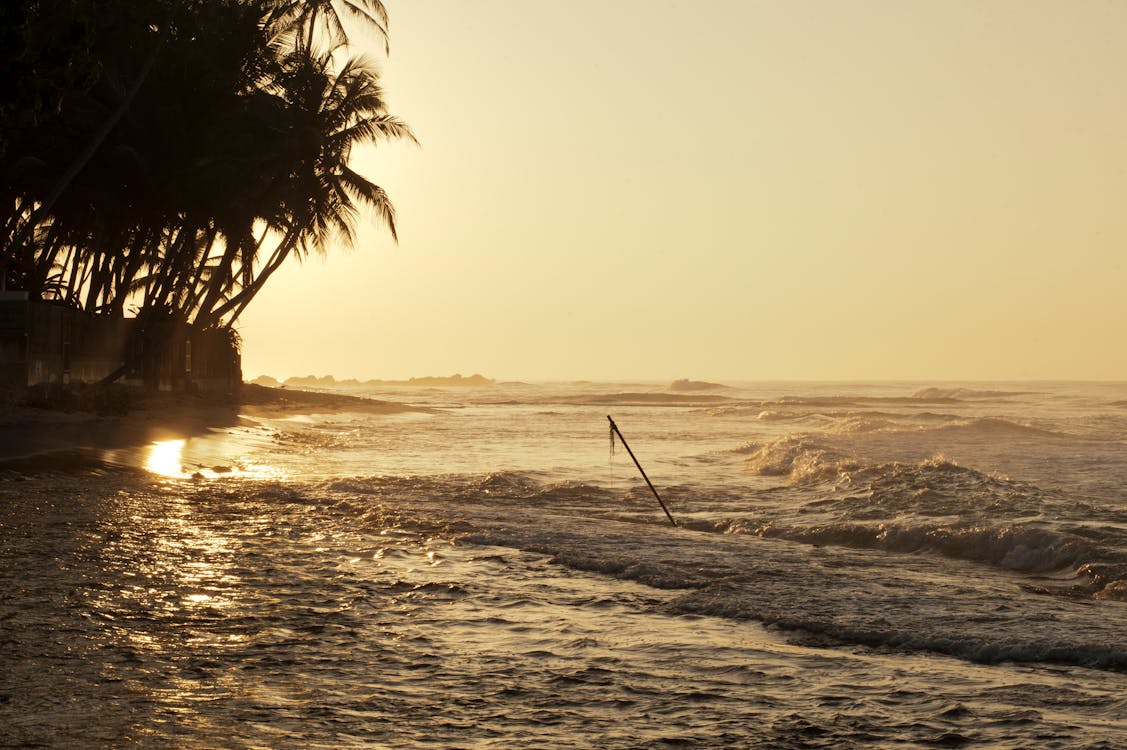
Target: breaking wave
{"x": 878, "y": 602}
{"x": 1023, "y": 548}
{"x": 987, "y": 646}
{"x": 694, "y": 385}
{"x": 992, "y": 426}
{"x": 983, "y": 426}
{"x": 802, "y": 459}
{"x": 933, "y": 393}
{"x": 862, "y": 400}
{"x": 688, "y": 398}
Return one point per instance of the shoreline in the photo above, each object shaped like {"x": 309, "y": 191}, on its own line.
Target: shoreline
{"x": 27, "y": 431}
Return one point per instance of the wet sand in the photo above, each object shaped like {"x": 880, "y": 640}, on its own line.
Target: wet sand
{"x": 26, "y": 431}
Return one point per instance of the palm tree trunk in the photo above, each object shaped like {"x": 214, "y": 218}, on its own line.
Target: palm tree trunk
{"x": 135, "y": 258}
{"x": 238, "y": 302}
{"x": 44, "y": 262}
{"x": 194, "y": 288}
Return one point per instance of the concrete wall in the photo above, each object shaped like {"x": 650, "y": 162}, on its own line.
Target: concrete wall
{"x": 13, "y": 339}
{"x": 50, "y": 343}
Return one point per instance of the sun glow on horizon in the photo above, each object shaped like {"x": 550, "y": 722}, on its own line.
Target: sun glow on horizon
{"x": 741, "y": 191}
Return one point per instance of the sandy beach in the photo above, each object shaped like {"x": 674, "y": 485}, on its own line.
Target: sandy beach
{"x": 27, "y": 431}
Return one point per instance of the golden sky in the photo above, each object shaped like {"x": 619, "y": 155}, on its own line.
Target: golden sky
{"x": 733, "y": 190}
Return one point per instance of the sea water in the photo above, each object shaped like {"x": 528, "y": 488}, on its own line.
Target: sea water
{"x": 879, "y": 565}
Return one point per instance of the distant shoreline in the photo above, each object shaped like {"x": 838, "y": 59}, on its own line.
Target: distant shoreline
{"x": 328, "y": 381}
{"x": 27, "y": 431}
{"x": 264, "y": 401}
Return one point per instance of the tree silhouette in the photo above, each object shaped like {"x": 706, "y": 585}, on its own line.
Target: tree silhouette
{"x": 166, "y": 158}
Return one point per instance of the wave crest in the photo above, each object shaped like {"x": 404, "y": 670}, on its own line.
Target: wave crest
{"x": 800, "y": 458}
{"x": 1115, "y": 591}
{"x": 1021, "y": 548}
{"x": 933, "y": 393}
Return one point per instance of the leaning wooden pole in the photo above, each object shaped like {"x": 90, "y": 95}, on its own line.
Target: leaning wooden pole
{"x": 626, "y": 445}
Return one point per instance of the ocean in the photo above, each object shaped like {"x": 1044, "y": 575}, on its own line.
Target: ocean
{"x": 884, "y": 565}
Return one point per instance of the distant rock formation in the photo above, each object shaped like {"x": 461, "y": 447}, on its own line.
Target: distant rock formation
{"x": 452, "y": 380}
{"x": 328, "y": 381}
{"x": 267, "y": 381}
{"x": 311, "y": 381}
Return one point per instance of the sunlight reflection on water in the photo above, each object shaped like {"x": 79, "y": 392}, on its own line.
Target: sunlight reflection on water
{"x": 206, "y": 457}
{"x": 165, "y": 458}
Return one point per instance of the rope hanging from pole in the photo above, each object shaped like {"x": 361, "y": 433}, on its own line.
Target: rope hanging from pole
{"x": 615, "y": 431}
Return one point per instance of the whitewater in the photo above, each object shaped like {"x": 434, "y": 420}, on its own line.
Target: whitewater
{"x": 883, "y": 565}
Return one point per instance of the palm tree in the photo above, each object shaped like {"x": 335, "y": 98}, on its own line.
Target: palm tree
{"x": 321, "y": 196}
{"x": 205, "y": 144}
{"x": 302, "y": 20}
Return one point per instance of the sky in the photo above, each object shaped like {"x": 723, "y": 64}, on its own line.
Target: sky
{"x": 732, "y": 190}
